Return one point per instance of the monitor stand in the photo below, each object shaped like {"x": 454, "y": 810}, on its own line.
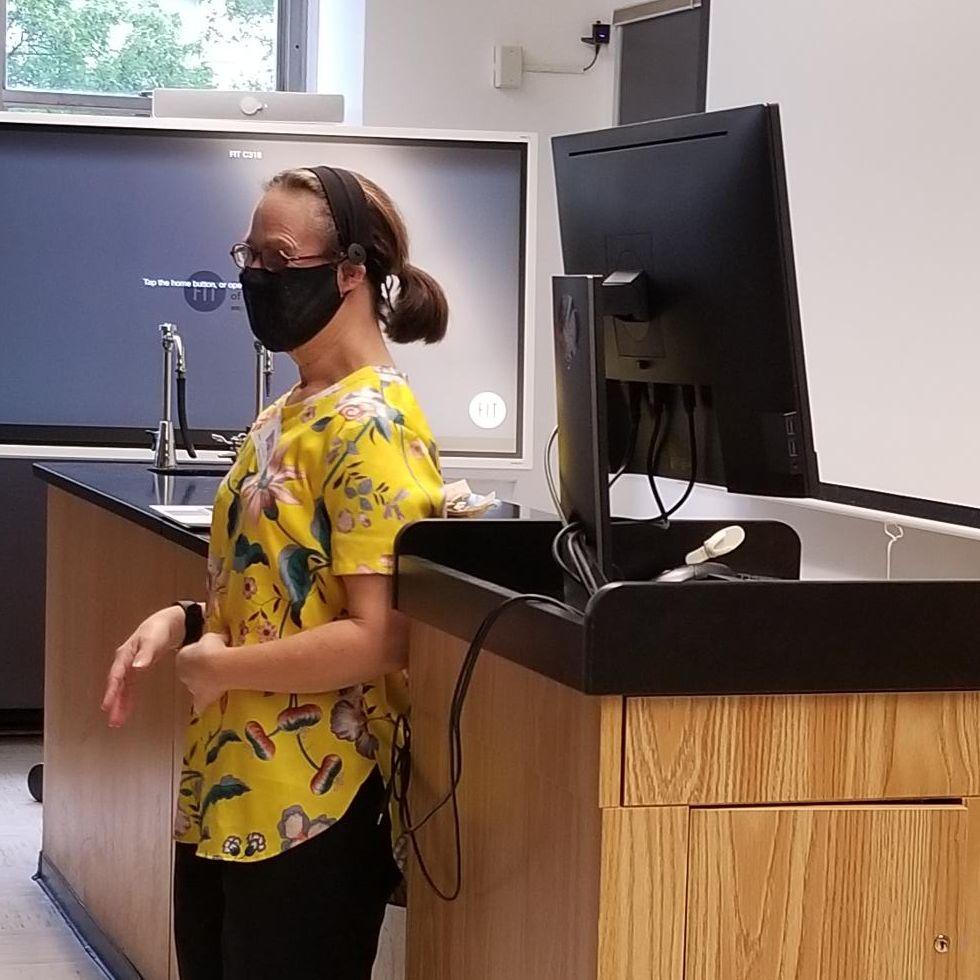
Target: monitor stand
{"x": 581, "y": 304}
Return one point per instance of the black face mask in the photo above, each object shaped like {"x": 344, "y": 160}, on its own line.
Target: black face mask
{"x": 288, "y": 308}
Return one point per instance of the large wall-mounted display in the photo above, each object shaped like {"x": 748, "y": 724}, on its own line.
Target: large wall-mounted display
{"x": 111, "y": 228}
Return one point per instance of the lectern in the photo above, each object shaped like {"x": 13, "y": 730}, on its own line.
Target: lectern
{"x": 713, "y": 781}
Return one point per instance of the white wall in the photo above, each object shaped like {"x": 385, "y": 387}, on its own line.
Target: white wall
{"x": 878, "y": 103}
{"x": 836, "y": 544}
{"x": 340, "y": 54}
{"x": 428, "y": 64}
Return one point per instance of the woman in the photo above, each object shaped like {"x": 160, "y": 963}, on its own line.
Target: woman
{"x": 284, "y": 862}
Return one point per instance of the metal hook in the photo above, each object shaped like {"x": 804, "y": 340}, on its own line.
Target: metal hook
{"x": 894, "y": 533}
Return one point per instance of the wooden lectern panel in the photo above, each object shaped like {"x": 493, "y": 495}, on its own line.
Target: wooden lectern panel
{"x": 968, "y": 947}
{"x": 530, "y": 820}
{"x": 847, "y": 893}
{"x": 806, "y": 749}
{"x": 643, "y": 902}
{"x": 108, "y": 800}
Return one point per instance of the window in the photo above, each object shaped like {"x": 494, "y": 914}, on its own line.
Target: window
{"x": 107, "y": 55}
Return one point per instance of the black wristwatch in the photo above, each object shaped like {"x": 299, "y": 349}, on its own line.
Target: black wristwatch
{"x": 193, "y": 621}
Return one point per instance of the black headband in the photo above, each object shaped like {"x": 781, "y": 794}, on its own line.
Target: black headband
{"x": 348, "y": 205}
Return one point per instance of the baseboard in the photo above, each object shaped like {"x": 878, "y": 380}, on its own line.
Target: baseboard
{"x": 94, "y": 941}
{"x": 21, "y": 721}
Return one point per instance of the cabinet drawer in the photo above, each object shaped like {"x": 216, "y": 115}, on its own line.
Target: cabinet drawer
{"x": 801, "y": 749}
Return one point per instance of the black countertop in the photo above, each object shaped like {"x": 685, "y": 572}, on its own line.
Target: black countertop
{"x": 636, "y": 637}
{"x": 129, "y": 489}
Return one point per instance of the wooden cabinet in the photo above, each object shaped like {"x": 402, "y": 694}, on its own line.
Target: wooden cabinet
{"x": 109, "y": 793}
{"x": 739, "y": 838}
{"x": 529, "y": 821}
{"x": 845, "y": 893}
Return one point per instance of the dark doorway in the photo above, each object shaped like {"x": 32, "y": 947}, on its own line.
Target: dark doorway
{"x": 663, "y": 59}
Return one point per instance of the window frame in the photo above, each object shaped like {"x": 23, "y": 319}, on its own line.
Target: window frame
{"x": 295, "y": 68}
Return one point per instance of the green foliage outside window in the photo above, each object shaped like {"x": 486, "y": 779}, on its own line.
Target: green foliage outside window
{"x": 131, "y": 46}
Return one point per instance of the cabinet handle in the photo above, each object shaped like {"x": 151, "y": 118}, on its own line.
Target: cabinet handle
{"x": 941, "y": 944}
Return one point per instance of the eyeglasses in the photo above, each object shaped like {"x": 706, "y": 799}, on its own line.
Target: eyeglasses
{"x": 272, "y": 260}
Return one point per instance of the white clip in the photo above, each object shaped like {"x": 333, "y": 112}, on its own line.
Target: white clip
{"x": 894, "y": 533}
{"x": 720, "y": 543}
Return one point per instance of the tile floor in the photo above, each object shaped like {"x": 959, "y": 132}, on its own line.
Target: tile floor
{"x": 35, "y": 943}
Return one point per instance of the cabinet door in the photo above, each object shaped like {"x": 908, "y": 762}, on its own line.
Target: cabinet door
{"x": 849, "y": 893}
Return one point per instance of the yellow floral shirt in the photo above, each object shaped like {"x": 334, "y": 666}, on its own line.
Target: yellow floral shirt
{"x": 318, "y": 492}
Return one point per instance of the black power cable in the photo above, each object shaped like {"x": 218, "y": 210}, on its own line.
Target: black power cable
{"x": 636, "y": 411}
{"x": 401, "y": 755}
{"x": 690, "y": 407}
{"x": 661, "y": 423}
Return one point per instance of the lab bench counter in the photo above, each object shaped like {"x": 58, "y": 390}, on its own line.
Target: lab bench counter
{"x": 130, "y": 490}
{"x": 106, "y": 853}
{"x": 109, "y": 794}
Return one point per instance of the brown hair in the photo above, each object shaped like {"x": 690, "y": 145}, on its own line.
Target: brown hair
{"x": 410, "y": 303}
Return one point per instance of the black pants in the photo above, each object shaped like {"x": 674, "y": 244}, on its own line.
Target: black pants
{"x": 314, "y": 911}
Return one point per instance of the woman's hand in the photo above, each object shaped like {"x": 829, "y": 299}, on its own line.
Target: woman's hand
{"x": 159, "y": 635}
{"x": 199, "y": 668}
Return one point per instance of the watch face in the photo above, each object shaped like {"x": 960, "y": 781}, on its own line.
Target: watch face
{"x": 193, "y": 621}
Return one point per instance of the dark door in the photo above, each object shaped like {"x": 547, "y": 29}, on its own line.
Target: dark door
{"x": 663, "y": 67}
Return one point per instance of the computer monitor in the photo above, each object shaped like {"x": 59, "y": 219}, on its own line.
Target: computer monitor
{"x": 691, "y": 317}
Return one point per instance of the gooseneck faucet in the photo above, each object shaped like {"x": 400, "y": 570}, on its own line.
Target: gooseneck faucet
{"x": 164, "y": 450}
{"x": 264, "y": 368}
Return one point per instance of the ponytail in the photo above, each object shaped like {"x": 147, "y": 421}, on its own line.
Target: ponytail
{"x": 417, "y": 309}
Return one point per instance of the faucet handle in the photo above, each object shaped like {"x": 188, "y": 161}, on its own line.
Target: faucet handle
{"x": 168, "y": 331}
{"x": 234, "y": 444}
{"x": 154, "y": 435}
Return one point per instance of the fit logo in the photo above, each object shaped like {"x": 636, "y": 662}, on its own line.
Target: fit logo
{"x": 203, "y": 294}
{"x": 488, "y": 410}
